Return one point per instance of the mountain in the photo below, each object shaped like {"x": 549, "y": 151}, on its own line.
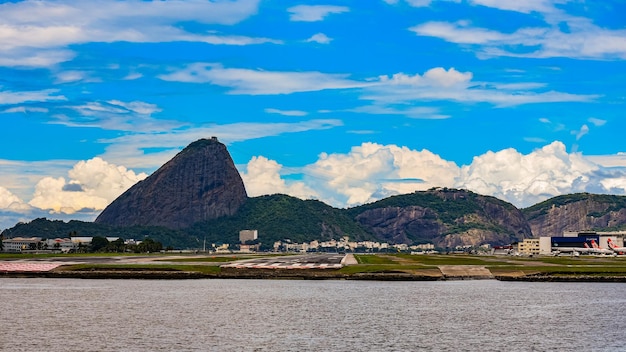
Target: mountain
{"x": 577, "y": 212}
{"x": 200, "y": 183}
{"x": 199, "y": 195}
{"x": 445, "y": 217}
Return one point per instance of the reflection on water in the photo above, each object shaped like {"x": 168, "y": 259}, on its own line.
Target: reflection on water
{"x": 284, "y": 315}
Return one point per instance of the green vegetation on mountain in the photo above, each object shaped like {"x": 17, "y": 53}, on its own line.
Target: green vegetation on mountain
{"x": 45, "y": 228}
{"x": 280, "y": 217}
{"x": 445, "y": 217}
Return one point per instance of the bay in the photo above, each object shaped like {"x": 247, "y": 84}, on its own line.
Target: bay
{"x": 298, "y": 315}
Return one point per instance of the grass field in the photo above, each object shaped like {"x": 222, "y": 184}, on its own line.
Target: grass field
{"x": 424, "y": 265}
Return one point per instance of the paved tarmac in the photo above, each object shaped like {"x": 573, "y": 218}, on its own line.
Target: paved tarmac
{"x": 303, "y": 261}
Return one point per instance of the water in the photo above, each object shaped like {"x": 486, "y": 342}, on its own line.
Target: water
{"x": 283, "y": 315}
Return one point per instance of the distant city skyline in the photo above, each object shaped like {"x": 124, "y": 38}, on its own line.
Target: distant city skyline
{"x": 347, "y": 102}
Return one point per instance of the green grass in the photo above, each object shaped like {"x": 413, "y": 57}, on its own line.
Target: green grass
{"x": 143, "y": 267}
{"x": 437, "y": 259}
{"x": 373, "y": 259}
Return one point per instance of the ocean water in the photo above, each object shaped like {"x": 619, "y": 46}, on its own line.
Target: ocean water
{"x": 300, "y": 315}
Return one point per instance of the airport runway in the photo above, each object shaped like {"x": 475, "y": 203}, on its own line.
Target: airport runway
{"x": 303, "y": 261}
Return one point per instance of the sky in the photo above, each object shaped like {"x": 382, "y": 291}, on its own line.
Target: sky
{"x": 346, "y": 102}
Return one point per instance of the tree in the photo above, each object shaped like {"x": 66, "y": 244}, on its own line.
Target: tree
{"x": 149, "y": 245}
{"x": 98, "y": 243}
{"x": 116, "y": 246}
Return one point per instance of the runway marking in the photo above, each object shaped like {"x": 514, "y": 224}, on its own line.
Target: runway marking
{"x": 27, "y": 267}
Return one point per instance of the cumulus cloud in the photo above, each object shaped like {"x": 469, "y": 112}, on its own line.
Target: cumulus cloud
{"x": 371, "y": 171}
{"x": 320, "y": 38}
{"x": 92, "y": 184}
{"x": 262, "y": 177}
{"x": 9, "y": 201}
{"x": 527, "y": 179}
{"x": 437, "y": 76}
{"x": 314, "y": 13}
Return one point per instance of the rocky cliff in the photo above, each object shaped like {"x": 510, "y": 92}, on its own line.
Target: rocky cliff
{"x": 445, "y": 217}
{"x": 200, "y": 183}
{"x": 577, "y": 212}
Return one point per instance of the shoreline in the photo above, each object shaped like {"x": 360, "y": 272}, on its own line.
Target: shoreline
{"x": 256, "y": 274}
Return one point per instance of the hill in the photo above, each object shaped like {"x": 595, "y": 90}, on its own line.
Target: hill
{"x": 577, "y": 212}
{"x": 200, "y": 183}
{"x": 446, "y": 217}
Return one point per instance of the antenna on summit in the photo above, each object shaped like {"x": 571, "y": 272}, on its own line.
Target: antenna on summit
{"x": 213, "y": 138}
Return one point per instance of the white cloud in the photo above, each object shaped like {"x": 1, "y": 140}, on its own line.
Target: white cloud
{"x": 73, "y": 76}
{"x": 528, "y": 179}
{"x": 437, "y": 76}
{"x": 527, "y": 6}
{"x": 139, "y": 107}
{"x": 8, "y": 97}
{"x": 320, "y": 38}
{"x": 258, "y": 82}
{"x": 9, "y": 201}
{"x": 135, "y": 116}
{"x": 419, "y": 3}
{"x": 435, "y": 84}
{"x": 441, "y": 84}
{"x": 286, "y": 112}
{"x": 262, "y": 177}
{"x": 34, "y": 57}
{"x": 313, "y": 13}
{"x": 129, "y": 149}
{"x": 92, "y": 184}
{"x": 455, "y": 33}
{"x": 25, "y": 109}
{"x": 371, "y": 171}
{"x": 596, "y": 122}
{"x": 32, "y": 33}
{"x": 583, "y": 39}
{"x": 584, "y": 129}
{"x": 414, "y": 112}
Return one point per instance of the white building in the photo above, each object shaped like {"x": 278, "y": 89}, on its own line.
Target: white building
{"x": 248, "y": 235}
{"x": 18, "y": 244}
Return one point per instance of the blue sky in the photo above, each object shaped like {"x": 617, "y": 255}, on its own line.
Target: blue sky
{"x": 342, "y": 101}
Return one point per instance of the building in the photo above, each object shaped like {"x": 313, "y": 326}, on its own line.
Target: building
{"x": 248, "y": 235}
{"x": 529, "y": 246}
{"x": 19, "y": 244}
{"x": 64, "y": 245}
